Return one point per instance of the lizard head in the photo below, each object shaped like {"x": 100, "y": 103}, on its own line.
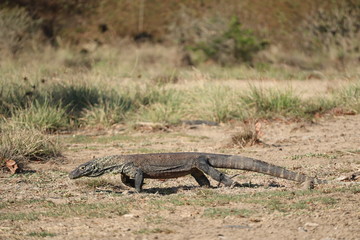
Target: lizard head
{"x": 89, "y": 169}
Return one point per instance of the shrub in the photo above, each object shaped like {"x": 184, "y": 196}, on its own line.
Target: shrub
{"x": 161, "y": 105}
{"x": 109, "y": 111}
{"x": 22, "y": 143}
{"x": 270, "y": 102}
{"x": 75, "y": 97}
{"x": 249, "y": 135}
{"x": 230, "y": 46}
{"x": 214, "y": 103}
{"x": 334, "y": 33}
{"x": 17, "y": 29}
{"x": 16, "y": 96}
{"x": 349, "y": 97}
{"x": 43, "y": 116}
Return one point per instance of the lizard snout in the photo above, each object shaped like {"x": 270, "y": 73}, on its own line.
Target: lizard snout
{"x": 73, "y": 175}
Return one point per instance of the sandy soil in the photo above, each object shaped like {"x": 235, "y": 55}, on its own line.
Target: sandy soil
{"x": 328, "y": 148}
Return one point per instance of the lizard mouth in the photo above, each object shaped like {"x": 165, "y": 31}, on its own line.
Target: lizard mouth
{"x": 73, "y": 176}
{"x": 94, "y": 174}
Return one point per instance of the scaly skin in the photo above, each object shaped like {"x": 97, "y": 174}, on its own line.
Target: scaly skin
{"x": 134, "y": 168}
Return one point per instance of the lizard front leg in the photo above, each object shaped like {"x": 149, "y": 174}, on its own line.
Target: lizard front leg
{"x": 132, "y": 176}
{"x": 127, "y": 180}
{"x": 203, "y": 165}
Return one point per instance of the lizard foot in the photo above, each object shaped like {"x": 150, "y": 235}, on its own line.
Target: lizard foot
{"x": 308, "y": 185}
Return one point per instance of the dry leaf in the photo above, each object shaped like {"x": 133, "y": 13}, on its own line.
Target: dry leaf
{"x": 11, "y": 165}
{"x": 258, "y": 131}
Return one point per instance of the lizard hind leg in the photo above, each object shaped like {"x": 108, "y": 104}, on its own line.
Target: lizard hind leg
{"x": 200, "y": 178}
{"x": 203, "y": 165}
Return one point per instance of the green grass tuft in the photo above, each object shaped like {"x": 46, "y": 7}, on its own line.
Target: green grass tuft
{"x": 273, "y": 102}
{"x": 349, "y": 97}
{"x": 42, "y": 116}
{"x": 310, "y": 155}
{"x": 41, "y": 234}
{"x": 215, "y": 103}
{"x": 76, "y": 97}
{"x": 161, "y": 106}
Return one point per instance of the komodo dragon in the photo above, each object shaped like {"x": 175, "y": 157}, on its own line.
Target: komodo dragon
{"x": 134, "y": 168}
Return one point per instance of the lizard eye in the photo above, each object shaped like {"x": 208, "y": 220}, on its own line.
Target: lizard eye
{"x": 82, "y": 168}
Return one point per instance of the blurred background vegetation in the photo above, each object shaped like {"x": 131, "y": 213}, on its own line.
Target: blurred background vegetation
{"x": 307, "y": 34}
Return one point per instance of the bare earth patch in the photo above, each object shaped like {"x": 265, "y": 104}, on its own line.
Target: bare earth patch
{"x": 46, "y": 204}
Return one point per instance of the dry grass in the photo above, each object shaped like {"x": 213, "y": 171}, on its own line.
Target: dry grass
{"x": 249, "y": 136}
{"x": 22, "y": 143}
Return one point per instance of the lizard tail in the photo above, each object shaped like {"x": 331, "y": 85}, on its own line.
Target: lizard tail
{"x": 250, "y": 164}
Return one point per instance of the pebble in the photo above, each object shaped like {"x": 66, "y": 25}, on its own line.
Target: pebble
{"x": 310, "y": 224}
{"x": 129, "y": 215}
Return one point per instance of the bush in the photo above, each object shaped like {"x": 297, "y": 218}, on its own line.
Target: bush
{"x": 334, "y": 33}
{"x": 226, "y": 45}
{"x": 161, "y": 105}
{"x": 269, "y": 102}
{"x": 109, "y": 111}
{"x": 17, "y": 29}
{"x": 75, "y": 97}
{"x": 349, "y": 97}
{"x": 215, "y": 103}
{"x": 235, "y": 45}
{"x": 43, "y": 116}
{"x": 22, "y": 143}
{"x": 15, "y": 95}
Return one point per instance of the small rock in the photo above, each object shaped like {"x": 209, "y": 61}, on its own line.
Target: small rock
{"x": 309, "y": 224}
{"x": 221, "y": 236}
{"x": 129, "y": 215}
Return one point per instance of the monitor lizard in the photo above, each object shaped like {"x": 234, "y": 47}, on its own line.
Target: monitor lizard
{"x": 134, "y": 168}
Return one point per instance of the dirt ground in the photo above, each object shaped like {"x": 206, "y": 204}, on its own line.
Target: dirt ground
{"x": 45, "y": 204}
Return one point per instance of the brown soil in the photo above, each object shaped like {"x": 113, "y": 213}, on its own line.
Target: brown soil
{"x": 176, "y": 209}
